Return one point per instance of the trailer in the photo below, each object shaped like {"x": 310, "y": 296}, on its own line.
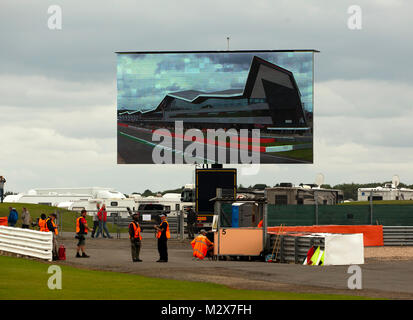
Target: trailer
{"x": 207, "y": 181}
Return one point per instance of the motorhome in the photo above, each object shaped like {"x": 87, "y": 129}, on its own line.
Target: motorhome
{"x": 171, "y": 202}
{"x": 149, "y": 208}
{"x": 388, "y": 192}
{"x": 77, "y": 199}
{"x": 303, "y": 194}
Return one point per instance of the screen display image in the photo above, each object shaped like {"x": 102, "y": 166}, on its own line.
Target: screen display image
{"x": 215, "y": 107}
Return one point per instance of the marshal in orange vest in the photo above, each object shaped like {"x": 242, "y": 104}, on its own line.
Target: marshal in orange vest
{"x": 54, "y": 225}
{"x": 200, "y": 245}
{"x": 137, "y": 231}
{"x": 42, "y": 225}
{"x": 80, "y": 227}
{"x": 168, "y": 234}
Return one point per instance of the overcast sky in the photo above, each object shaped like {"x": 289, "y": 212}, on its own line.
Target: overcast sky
{"x": 58, "y": 87}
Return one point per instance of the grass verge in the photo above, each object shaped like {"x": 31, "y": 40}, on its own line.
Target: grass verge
{"x": 27, "y": 279}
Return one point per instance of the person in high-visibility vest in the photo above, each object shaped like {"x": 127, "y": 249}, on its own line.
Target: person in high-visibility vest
{"x": 201, "y": 245}
{"x": 102, "y": 216}
{"x": 135, "y": 238}
{"x": 42, "y": 223}
{"x": 81, "y": 231}
{"x": 163, "y": 234}
{"x": 52, "y": 227}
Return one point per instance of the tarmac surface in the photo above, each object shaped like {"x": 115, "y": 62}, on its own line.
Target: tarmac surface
{"x": 132, "y": 148}
{"x": 387, "y": 275}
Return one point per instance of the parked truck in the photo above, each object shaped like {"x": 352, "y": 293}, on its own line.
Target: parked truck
{"x": 207, "y": 180}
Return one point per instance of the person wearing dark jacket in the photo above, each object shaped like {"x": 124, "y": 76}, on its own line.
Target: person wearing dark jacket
{"x": 95, "y": 220}
{"x": 13, "y": 217}
{"x": 191, "y": 218}
{"x": 135, "y": 238}
{"x": 163, "y": 234}
{"x": 52, "y": 227}
{"x": 2, "y": 182}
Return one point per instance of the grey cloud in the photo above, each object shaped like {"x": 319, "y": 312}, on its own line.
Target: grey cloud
{"x": 92, "y": 32}
{"x": 367, "y": 99}
{"x": 354, "y": 141}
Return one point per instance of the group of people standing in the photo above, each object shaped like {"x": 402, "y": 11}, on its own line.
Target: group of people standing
{"x": 99, "y": 222}
{"x": 82, "y": 228}
{"x": 14, "y": 217}
{"x": 201, "y": 245}
{"x": 48, "y": 224}
{"x": 162, "y": 234}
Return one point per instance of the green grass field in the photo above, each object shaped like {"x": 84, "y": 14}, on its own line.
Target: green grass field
{"x": 27, "y": 279}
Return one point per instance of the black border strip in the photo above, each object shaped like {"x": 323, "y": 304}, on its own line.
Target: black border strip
{"x": 221, "y": 51}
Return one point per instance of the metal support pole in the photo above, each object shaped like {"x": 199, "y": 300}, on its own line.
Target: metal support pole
{"x": 371, "y": 207}
{"x": 217, "y": 211}
{"x": 118, "y": 227}
{"x": 60, "y": 221}
{"x": 316, "y": 207}
{"x": 181, "y": 224}
{"x": 264, "y": 222}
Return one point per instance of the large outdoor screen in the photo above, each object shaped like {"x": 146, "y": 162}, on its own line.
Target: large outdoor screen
{"x": 215, "y": 107}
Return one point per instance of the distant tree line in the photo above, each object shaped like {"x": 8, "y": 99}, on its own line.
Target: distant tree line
{"x": 349, "y": 189}
{"x": 148, "y": 193}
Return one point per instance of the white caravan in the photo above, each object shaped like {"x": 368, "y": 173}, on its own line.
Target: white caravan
{"x": 388, "y": 192}
{"x": 171, "y": 202}
{"x": 77, "y": 199}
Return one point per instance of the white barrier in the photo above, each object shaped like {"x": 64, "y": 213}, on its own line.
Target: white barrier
{"x": 26, "y": 242}
{"x": 344, "y": 249}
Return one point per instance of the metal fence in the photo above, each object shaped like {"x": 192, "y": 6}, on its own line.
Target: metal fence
{"x": 118, "y": 221}
{"x": 70, "y": 224}
{"x": 308, "y": 215}
{"x": 177, "y": 227}
{"x": 293, "y": 249}
{"x": 303, "y": 215}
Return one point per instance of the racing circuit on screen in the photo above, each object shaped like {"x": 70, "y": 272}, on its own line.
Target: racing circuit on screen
{"x": 215, "y": 107}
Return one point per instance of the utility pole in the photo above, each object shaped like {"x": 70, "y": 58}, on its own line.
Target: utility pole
{"x": 371, "y": 207}
{"x": 227, "y": 43}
